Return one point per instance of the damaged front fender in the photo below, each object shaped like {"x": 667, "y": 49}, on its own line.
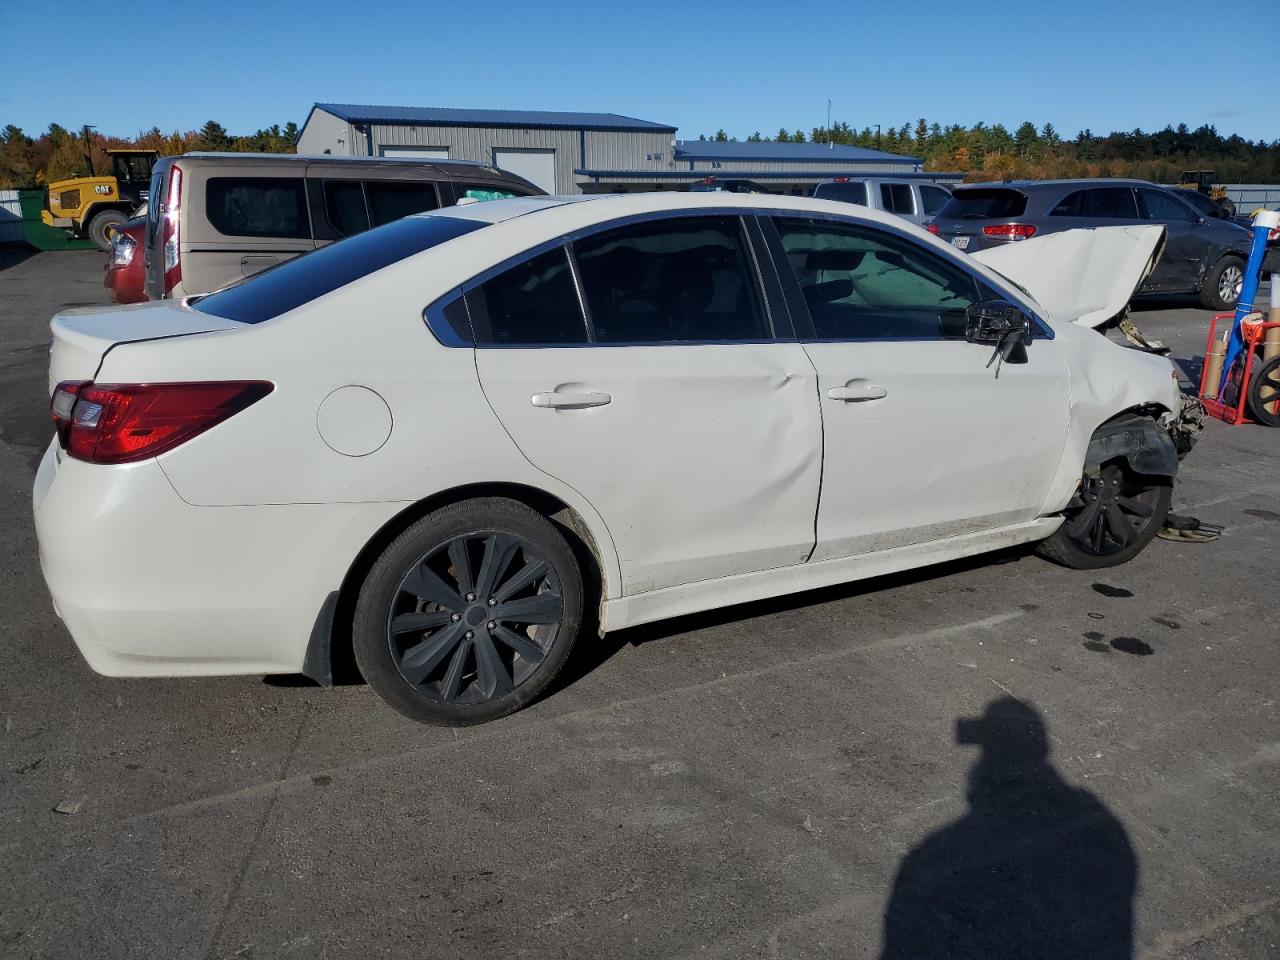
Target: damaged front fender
{"x": 1142, "y": 443}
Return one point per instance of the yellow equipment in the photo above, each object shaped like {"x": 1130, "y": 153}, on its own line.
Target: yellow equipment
{"x": 91, "y": 206}
{"x": 1202, "y": 182}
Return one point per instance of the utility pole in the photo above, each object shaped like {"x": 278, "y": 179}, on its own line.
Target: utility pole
{"x": 88, "y": 146}
{"x": 830, "y": 143}
{"x": 877, "y": 136}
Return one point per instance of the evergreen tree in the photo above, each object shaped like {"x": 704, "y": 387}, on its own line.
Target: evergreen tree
{"x": 214, "y": 136}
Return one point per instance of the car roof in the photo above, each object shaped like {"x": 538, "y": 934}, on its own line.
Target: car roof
{"x": 1045, "y": 184}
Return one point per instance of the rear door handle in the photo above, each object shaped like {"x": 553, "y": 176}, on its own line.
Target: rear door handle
{"x": 858, "y": 391}
{"x": 569, "y": 401}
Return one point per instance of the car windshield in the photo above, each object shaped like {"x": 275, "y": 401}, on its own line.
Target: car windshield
{"x": 303, "y": 279}
{"x": 984, "y": 203}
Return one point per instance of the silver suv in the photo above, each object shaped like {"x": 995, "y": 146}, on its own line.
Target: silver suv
{"x": 219, "y": 217}
{"x": 910, "y": 199}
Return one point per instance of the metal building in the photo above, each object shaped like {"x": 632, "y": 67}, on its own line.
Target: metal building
{"x": 585, "y": 152}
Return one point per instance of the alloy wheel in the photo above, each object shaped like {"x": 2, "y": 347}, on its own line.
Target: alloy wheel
{"x": 1230, "y": 283}
{"x": 474, "y": 617}
{"x": 1110, "y": 512}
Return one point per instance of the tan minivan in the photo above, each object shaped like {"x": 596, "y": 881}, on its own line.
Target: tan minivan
{"x": 218, "y": 217}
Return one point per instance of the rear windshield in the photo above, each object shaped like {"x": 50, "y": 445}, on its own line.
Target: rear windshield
{"x": 306, "y": 278}
{"x": 984, "y": 203}
{"x": 847, "y": 192}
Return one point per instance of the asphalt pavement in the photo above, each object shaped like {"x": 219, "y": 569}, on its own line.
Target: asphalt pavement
{"x": 994, "y": 758}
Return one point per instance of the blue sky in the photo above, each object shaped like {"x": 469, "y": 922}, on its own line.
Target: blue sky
{"x": 744, "y": 66}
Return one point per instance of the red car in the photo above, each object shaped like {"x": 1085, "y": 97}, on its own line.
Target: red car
{"x": 125, "y": 272}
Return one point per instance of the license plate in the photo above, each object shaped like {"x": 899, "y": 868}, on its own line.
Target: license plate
{"x": 960, "y": 243}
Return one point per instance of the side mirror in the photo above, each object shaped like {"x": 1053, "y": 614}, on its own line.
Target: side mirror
{"x": 1001, "y": 323}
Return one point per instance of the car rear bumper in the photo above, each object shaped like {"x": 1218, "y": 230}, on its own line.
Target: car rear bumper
{"x": 149, "y": 585}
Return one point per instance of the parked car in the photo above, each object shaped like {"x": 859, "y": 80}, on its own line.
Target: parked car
{"x": 219, "y": 217}
{"x": 124, "y": 274}
{"x": 1202, "y": 255}
{"x": 910, "y": 199}
{"x": 457, "y": 440}
{"x": 727, "y": 185}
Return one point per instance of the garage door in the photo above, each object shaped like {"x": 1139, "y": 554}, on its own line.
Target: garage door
{"x": 536, "y": 166}
{"x": 417, "y": 153}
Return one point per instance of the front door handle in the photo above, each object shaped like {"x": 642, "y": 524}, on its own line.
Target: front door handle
{"x": 569, "y": 401}
{"x": 858, "y": 391}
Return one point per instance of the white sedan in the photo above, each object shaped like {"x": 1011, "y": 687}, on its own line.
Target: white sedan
{"x": 454, "y": 442}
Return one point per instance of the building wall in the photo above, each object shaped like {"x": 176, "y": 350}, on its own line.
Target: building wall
{"x": 726, "y": 167}
{"x": 325, "y": 133}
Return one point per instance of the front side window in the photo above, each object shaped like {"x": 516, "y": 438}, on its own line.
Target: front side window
{"x": 390, "y": 201}
{"x": 258, "y": 207}
{"x": 933, "y": 199}
{"x": 1163, "y": 207}
{"x": 671, "y": 281}
{"x": 896, "y": 198}
{"x": 865, "y": 284}
{"x": 534, "y": 303}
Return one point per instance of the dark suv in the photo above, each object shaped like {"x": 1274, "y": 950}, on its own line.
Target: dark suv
{"x": 1202, "y": 255}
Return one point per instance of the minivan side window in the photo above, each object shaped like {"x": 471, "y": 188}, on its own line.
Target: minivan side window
{"x": 389, "y": 200}
{"x": 258, "y": 207}
{"x": 933, "y": 199}
{"x": 686, "y": 279}
{"x": 896, "y": 198}
{"x": 534, "y": 303}
{"x": 1105, "y": 203}
{"x": 486, "y": 191}
{"x": 1161, "y": 206}
{"x": 344, "y": 207}
{"x": 865, "y": 284}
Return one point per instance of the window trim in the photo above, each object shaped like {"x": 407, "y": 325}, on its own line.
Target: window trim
{"x": 434, "y": 312}
{"x": 799, "y": 307}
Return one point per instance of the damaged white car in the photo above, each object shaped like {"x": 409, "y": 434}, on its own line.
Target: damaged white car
{"x": 453, "y": 442}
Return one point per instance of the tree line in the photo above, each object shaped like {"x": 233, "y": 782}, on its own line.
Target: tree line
{"x": 59, "y": 153}
{"x": 993, "y": 152}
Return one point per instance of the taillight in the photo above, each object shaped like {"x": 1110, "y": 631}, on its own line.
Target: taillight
{"x": 122, "y": 250}
{"x": 1009, "y": 231}
{"x": 170, "y": 239}
{"x": 932, "y": 228}
{"x": 122, "y": 423}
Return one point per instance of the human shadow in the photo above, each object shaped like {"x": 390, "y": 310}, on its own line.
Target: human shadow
{"x": 1037, "y": 868}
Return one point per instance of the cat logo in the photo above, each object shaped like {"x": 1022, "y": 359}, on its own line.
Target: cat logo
{"x": 103, "y": 188}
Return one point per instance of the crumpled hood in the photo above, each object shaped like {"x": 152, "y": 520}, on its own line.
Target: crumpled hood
{"x": 1081, "y": 276}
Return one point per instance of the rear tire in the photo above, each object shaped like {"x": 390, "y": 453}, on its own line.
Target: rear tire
{"x": 470, "y": 613}
{"x": 1110, "y": 520}
{"x": 99, "y": 227}
{"x": 1221, "y": 288}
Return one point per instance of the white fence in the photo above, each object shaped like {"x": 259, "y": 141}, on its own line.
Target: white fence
{"x": 10, "y": 217}
{"x": 1249, "y": 196}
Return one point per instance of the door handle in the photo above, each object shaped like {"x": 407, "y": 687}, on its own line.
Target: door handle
{"x": 569, "y": 401}
{"x": 858, "y": 391}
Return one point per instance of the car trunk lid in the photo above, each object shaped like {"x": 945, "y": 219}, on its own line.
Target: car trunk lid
{"x": 81, "y": 338}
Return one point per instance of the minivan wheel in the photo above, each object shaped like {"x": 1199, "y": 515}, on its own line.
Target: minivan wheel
{"x": 1111, "y": 518}
{"x": 469, "y": 614}
{"x": 1222, "y": 285}
{"x": 99, "y": 227}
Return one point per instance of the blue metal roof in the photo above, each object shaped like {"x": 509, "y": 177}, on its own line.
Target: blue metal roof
{"x": 818, "y": 174}
{"x": 455, "y": 117}
{"x": 791, "y": 152}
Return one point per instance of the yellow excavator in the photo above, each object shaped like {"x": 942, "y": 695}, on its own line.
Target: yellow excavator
{"x": 91, "y": 206}
{"x": 1202, "y": 182}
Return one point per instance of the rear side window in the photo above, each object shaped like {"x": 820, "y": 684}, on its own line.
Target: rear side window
{"x": 532, "y": 303}
{"x": 1105, "y": 203}
{"x": 896, "y": 198}
{"x": 865, "y": 284}
{"x": 933, "y": 199}
{"x": 390, "y": 201}
{"x": 984, "y": 203}
{"x": 845, "y": 192}
{"x": 305, "y": 278}
{"x": 1164, "y": 207}
{"x": 258, "y": 207}
{"x": 672, "y": 281}
{"x": 344, "y": 207}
